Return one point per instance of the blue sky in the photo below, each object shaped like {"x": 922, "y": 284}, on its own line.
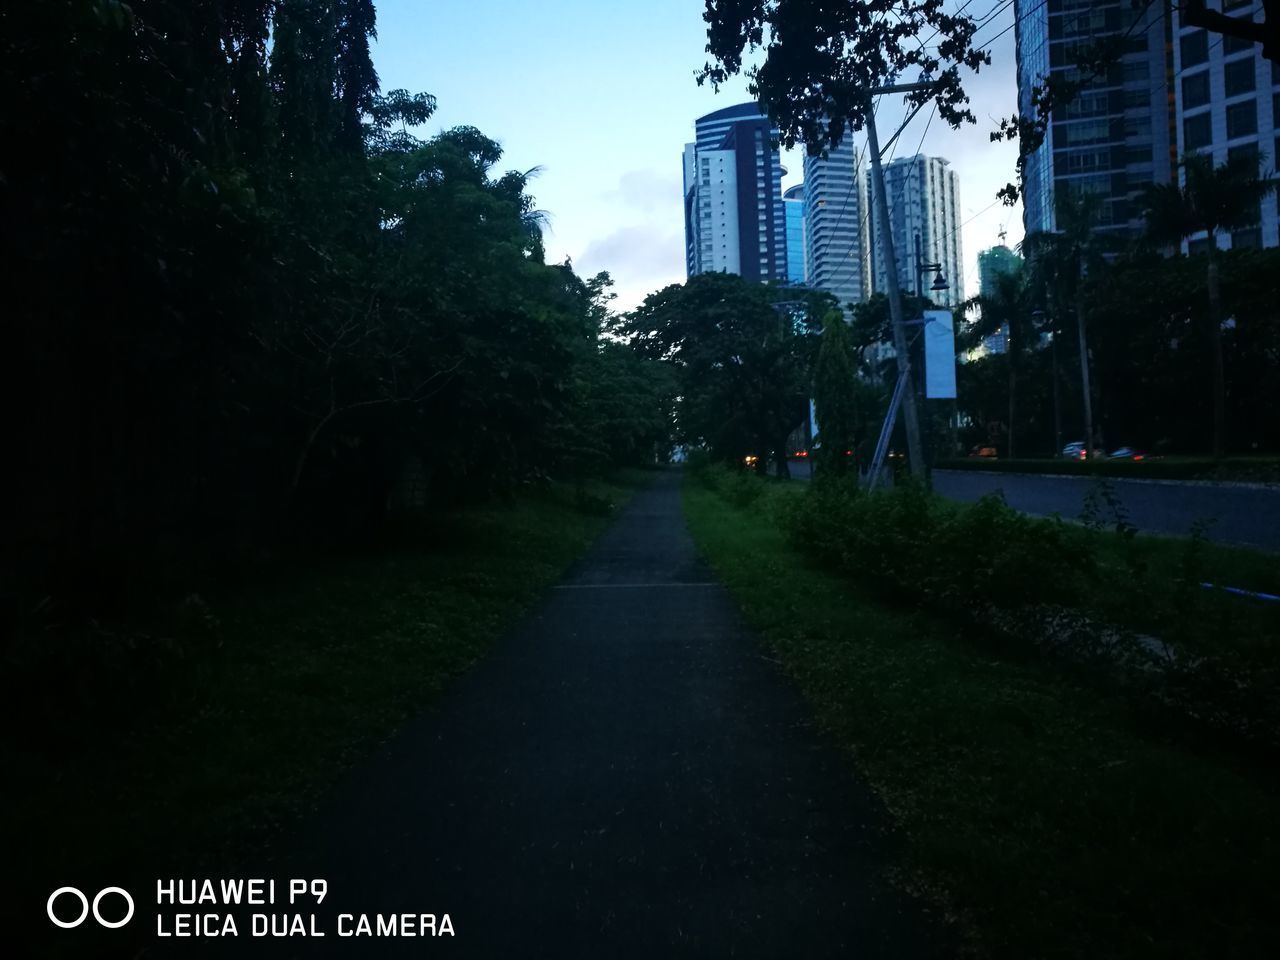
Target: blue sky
{"x": 600, "y": 95}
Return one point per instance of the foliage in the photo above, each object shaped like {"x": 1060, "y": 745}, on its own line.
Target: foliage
{"x": 1151, "y": 339}
{"x": 1008, "y": 308}
{"x": 964, "y": 559}
{"x": 254, "y": 300}
{"x": 742, "y": 367}
{"x": 296, "y": 673}
{"x": 835, "y": 397}
{"x": 821, "y": 59}
{"x": 1210, "y": 199}
{"x": 994, "y": 769}
{"x": 1078, "y": 596}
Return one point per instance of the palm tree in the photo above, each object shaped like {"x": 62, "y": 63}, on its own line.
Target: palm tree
{"x": 1006, "y": 307}
{"x": 1209, "y": 200}
{"x": 1060, "y": 260}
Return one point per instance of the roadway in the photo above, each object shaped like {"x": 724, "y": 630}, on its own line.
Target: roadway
{"x": 1239, "y": 514}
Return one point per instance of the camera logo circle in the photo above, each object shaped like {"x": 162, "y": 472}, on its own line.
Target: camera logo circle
{"x": 85, "y": 908}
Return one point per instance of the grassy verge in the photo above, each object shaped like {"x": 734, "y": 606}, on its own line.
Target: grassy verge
{"x": 1045, "y": 818}
{"x": 1139, "y": 588}
{"x": 1238, "y": 469}
{"x": 302, "y": 675}
{"x": 1151, "y": 584}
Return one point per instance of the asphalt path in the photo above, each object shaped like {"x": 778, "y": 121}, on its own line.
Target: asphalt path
{"x": 1240, "y": 514}
{"x": 627, "y": 775}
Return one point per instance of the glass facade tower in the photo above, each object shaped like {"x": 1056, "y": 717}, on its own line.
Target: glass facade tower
{"x": 797, "y": 247}
{"x": 1116, "y": 136}
{"x": 733, "y": 209}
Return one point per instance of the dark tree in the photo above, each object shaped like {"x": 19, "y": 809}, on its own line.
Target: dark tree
{"x": 822, "y": 59}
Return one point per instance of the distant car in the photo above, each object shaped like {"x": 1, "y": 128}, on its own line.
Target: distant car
{"x": 984, "y": 452}
{"x": 1126, "y": 453}
{"x": 1075, "y": 451}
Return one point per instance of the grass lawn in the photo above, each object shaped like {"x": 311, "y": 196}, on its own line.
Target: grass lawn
{"x": 1039, "y": 813}
{"x": 305, "y": 674}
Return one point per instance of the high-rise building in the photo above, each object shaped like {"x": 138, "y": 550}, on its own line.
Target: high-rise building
{"x": 923, "y": 195}
{"x": 733, "y": 209}
{"x": 1175, "y": 91}
{"x": 1227, "y": 102}
{"x": 797, "y": 244}
{"x": 835, "y": 214}
{"x": 1116, "y": 136}
{"x": 992, "y": 263}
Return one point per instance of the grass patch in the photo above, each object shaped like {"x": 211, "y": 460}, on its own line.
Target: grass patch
{"x": 296, "y": 679}
{"x": 1037, "y": 810}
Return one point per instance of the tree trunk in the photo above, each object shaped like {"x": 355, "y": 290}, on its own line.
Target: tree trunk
{"x": 1057, "y": 407}
{"x": 1013, "y": 386}
{"x": 1084, "y": 374}
{"x": 1215, "y": 339}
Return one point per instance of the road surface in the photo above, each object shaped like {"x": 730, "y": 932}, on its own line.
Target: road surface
{"x": 628, "y": 775}
{"x": 1243, "y": 515}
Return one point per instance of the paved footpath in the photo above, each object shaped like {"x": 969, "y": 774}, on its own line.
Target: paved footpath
{"x": 627, "y": 775}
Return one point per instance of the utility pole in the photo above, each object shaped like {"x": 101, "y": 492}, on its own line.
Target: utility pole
{"x": 915, "y": 453}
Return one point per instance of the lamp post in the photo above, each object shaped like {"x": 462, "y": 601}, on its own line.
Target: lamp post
{"x": 938, "y": 286}
{"x": 939, "y": 281}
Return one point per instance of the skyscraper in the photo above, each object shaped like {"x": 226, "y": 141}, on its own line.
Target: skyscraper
{"x": 924, "y": 202}
{"x": 1115, "y": 137}
{"x": 733, "y": 209}
{"x": 1175, "y": 90}
{"x": 797, "y": 241}
{"x": 992, "y": 263}
{"x": 1227, "y": 102}
{"x": 835, "y": 201}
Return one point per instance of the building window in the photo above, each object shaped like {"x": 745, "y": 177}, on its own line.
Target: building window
{"x": 1195, "y": 90}
{"x": 1232, "y": 45}
{"x": 1248, "y": 239}
{"x": 1136, "y": 127}
{"x": 1242, "y": 152}
{"x": 1137, "y": 155}
{"x": 1238, "y": 77}
{"x": 1136, "y": 71}
{"x": 1091, "y": 131}
{"x": 1242, "y": 119}
{"x": 1197, "y": 132}
{"x": 1195, "y": 48}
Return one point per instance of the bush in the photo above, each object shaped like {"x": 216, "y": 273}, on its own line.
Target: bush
{"x": 959, "y": 557}
{"x": 1039, "y": 583}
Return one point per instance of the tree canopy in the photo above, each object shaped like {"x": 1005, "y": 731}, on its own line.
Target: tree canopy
{"x": 742, "y": 357}
{"x": 822, "y": 59}
{"x": 254, "y": 300}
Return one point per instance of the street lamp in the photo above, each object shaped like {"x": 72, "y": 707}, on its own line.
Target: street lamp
{"x": 939, "y": 281}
